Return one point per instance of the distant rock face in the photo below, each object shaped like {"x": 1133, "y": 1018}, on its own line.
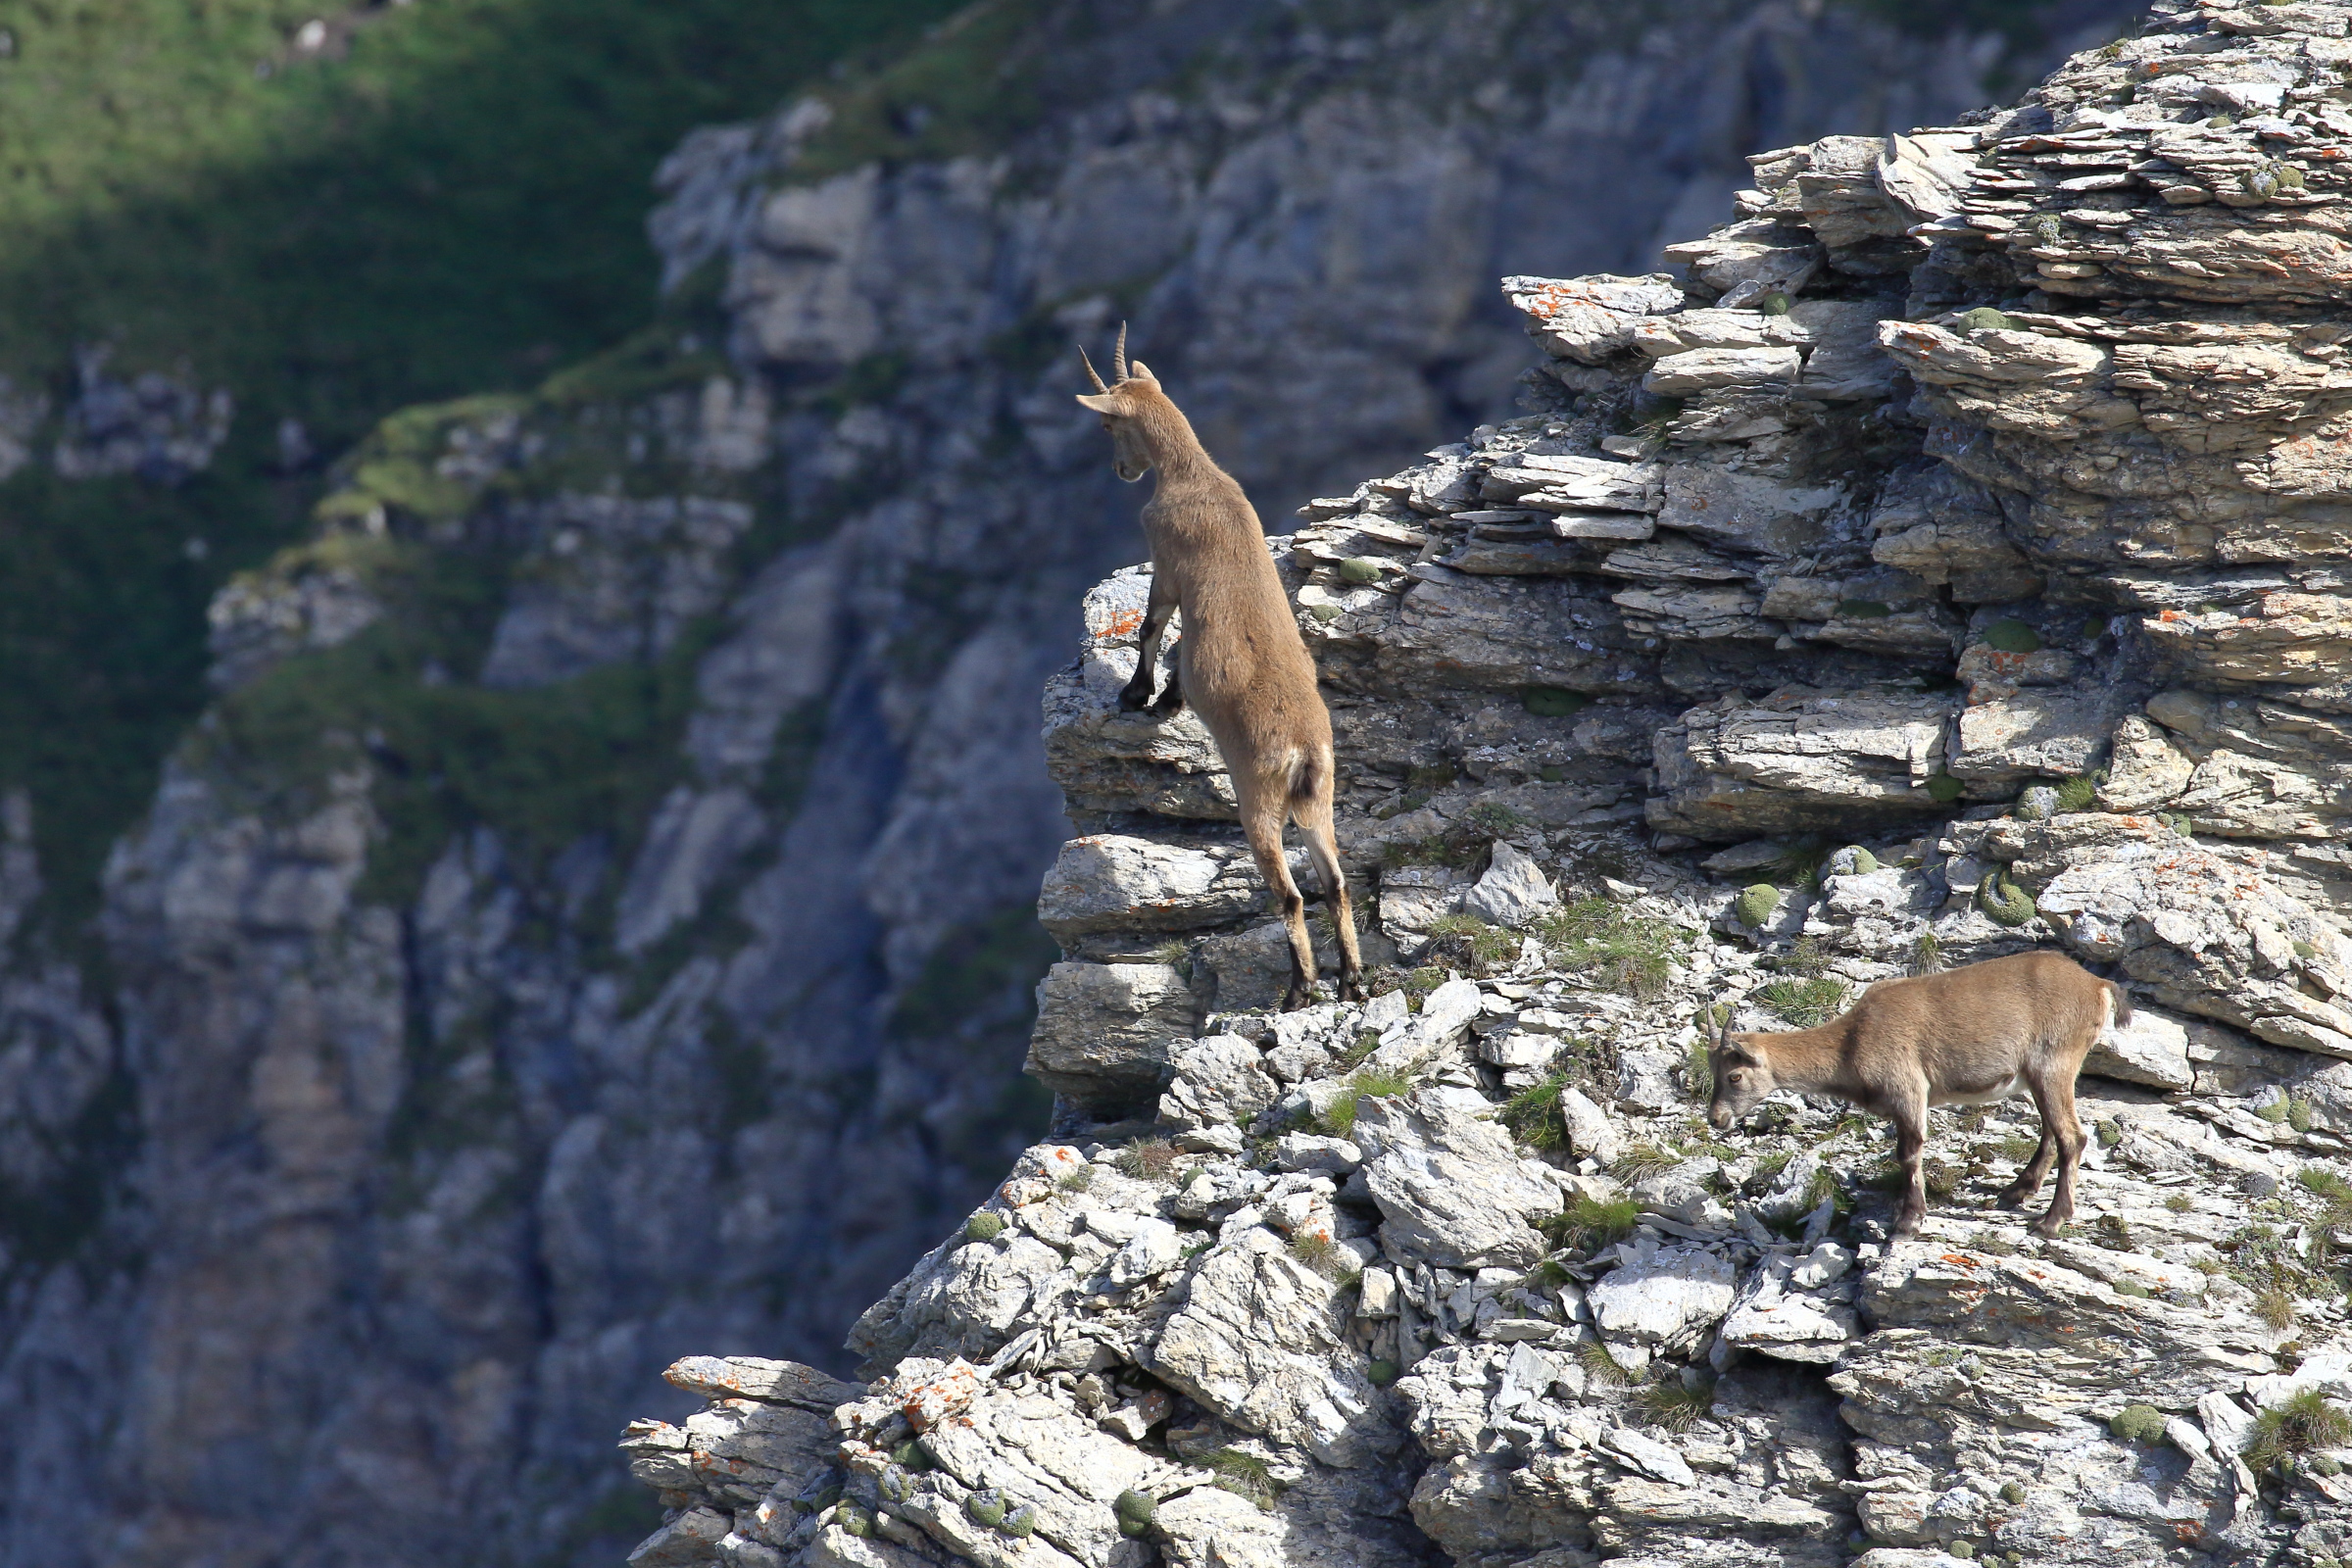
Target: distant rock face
{"x": 1946, "y": 554}
{"x": 595, "y": 924}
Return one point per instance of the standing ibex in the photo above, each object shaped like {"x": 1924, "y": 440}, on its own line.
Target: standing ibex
{"x": 1239, "y": 661}
{"x": 1965, "y": 1037}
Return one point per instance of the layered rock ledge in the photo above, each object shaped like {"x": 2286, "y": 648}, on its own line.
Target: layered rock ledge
{"x": 1951, "y": 559}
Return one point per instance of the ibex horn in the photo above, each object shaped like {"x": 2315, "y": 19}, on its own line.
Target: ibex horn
{"x": 1090, "y": 374}
{"x": 1118, "y": 355}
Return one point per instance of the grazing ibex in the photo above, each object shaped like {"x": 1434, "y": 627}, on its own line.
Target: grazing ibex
{"x": 1968, "y": 1037}
{"x": 1240, "y": 661}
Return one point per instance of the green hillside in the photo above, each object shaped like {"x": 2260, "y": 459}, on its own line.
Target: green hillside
{"x": 406, "y": 202}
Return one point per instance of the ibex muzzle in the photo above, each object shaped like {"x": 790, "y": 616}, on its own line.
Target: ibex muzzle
{"x": 1967, "y": 1037}
{"x": 1240, "y": 661}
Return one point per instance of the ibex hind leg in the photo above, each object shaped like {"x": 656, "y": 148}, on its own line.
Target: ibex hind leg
{"x": 1265, "y": 808}
{"x": 2055, "y": 1100}
{"x": 1314, "y": 812}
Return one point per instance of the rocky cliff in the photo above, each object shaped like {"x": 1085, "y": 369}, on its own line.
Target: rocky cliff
{"x": 1947, "y": 560}
{"x": 595, "y": 920}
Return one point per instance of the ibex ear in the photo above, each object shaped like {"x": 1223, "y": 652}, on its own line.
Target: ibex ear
{"x": 1137, "y": 371}
{"x": 1100, "y": 402}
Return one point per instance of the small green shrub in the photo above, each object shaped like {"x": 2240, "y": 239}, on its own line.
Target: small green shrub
{"x": 1756, "y": 905}
{"x": 1863, "y": 609}
{"x": 1552, "y": 702}
{"x": 2138, "y": 1423}
{"x": 2109, "y": 1134}
{"x": 1775, "y": 302}
{"x": 1381, "y": 1372}
{"x": 1943, "y": 789}
{"x": 2009, "y": 635}
{"x": 2294, "y": 1427}
{"x": 2004, "y": 903}
{"x": 984, "y": 1227}
{"x": 1984, "y": 319}
{"x": 1806, "y": 1003}
{"x": 2298, "y": 1113}
{"x": 2132, "y": 1287}
{"x": 2013, "y": 1492}
{"x": 2275, "y": 1112}
{"x": 985, "y": 1508}
{"x": 1134, "y": 1510}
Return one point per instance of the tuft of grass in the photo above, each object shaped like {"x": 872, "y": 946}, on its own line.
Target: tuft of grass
{"x": 1340, "y": 1120}
{"x": 2081, "y": 792}
{"x": 1799, "y": 865}
{"x": 1671, "y": 1404}
{"x": 1926, "y": 954}
{"x": 1600, "y": 1367}
{"x": 1319, "y": 1252}
{"x": 1173, "y": 952}
{"x": 1642, "y": 1160}
{"x": 1367, "y": 1041}
{"x": 2300, "y": 1425}
{"x": 1244, "y": 1475}
{"x": 1589, "y": 1224}
{"x": 2179, "y": 1204}
{"x": 1699, "y": 1072}
{"x": 1482, "y": 948}
{"x": 1624, "y": 951}
{"x": 1804, "y": 958}
{"x": 1806, "y": 1003}
{"x": 1148, "y": 1160}
{"x": 1533, "y": 1114}
{"x": 2275, "y": 1307}
{"x": 1077, "y": 1181}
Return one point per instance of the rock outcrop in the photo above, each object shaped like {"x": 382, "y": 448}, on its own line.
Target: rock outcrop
{"x": 596, "y": 921}
{"x": 1946, "y": 561}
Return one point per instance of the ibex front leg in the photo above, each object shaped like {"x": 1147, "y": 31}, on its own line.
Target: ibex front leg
{"x": 1910, "y": 1116}
{"x": 1135, "y": 696}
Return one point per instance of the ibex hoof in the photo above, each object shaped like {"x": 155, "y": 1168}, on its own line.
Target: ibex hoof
{"x": 1351, "y": 987}
{"x": 1135, "y": 699}
{"x": 2013, "y": 1197}
{"x": 1170, "y": 704}
{"x": 2047, "y": 1227}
